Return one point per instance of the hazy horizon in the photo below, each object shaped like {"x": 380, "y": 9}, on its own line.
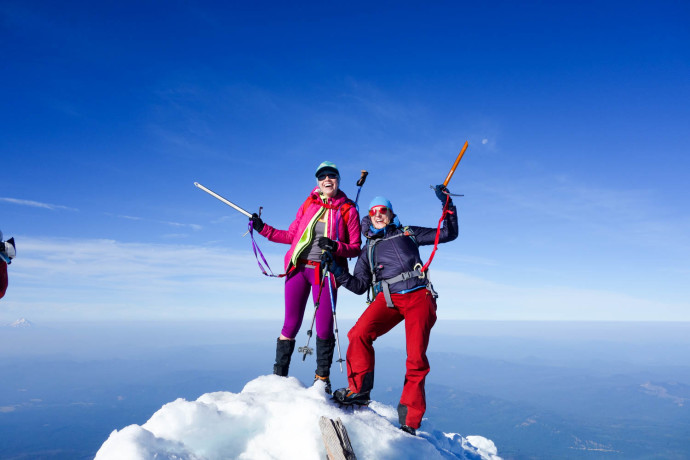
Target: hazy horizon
{"x": 622, "y": 386}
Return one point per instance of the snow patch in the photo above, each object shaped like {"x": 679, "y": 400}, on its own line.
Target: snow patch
{"x": 278, "y": 418}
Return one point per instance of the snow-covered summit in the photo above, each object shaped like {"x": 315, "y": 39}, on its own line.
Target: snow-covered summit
{"x": 278, "y": 418}
{"x": 20, "y": 323}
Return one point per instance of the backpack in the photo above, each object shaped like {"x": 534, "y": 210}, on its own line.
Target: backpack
{"x": 375, "y": 286}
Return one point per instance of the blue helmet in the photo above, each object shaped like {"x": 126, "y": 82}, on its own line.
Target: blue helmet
{"x": 381, "y": 201}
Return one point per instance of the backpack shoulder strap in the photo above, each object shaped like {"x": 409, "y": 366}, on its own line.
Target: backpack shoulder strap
{"x": 345, "y": 210}
{"x": 307, "y": 203}
{"x": 407, "y": 231}
{"x": 371, "y": 244}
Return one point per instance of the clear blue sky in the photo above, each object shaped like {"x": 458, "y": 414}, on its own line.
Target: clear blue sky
{"x": 575, "y": 180}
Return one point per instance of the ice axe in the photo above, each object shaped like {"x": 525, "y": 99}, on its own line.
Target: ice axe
{"x": 452, "y": 169}
{"x": 446, "y": 203}
{"x": 224, "y": 200}
{"x": 455, "y": 165}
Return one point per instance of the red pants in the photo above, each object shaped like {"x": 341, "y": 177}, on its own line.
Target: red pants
{"x": 418, "y": 309}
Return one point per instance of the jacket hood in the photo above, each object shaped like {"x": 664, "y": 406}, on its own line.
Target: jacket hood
{"x": 368, "y": 230}
{"x": 337, "y": 200}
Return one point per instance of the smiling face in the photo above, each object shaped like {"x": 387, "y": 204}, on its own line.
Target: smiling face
{"x": 328, "y": 183}
{"x": 380, "y": 216}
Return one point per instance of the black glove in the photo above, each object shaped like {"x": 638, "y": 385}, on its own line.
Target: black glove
{"x": 440, "y": 189}
{"x": 328, "y": 261}
{"x": 327, "y": 244}
{"x": 8, "y": 250}
{"x": 257, "y": 223}
{"x": 327, "y": 258}
{"x": 443, "y": 194}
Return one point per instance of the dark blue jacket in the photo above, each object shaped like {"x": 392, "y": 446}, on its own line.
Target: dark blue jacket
{"x": 394, "y": 252}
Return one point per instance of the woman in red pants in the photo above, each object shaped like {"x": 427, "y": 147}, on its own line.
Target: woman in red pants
{"x": 390, "y": 262}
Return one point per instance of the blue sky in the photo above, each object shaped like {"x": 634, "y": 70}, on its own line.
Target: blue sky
{"x": 576, "y": 113}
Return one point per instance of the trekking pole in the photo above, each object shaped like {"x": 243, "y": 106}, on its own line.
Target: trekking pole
{"x": 261, "y": 208}
{"x": 335, "y": 320}
{"x": 224, "y": 200}
{"x": 306, "y": 349}
{"x": 360, "y": 183}
{"x": 255, "y": 247}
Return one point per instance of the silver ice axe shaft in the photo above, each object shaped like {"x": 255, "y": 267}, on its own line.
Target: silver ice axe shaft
{"x": 226, "y": 201}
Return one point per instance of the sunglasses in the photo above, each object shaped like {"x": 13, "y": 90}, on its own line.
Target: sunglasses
{"x": 378, "y": 209}
{"x": 330, "y": 176}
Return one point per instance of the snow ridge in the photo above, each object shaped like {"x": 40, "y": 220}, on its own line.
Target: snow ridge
{"x": 277, "y": 418}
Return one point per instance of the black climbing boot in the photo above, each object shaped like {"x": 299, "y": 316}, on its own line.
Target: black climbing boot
{"x": 284, "y": 349}
{"x": 348, "y": 398}
{"x": 324, "y": 359}
{"x": 408, "y": 429}
{"x": 325, "y": 380}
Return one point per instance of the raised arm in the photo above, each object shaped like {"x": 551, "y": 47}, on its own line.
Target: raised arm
{"x": 449, "y": 229}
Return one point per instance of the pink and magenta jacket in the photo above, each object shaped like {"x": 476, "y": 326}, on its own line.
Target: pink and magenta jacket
{"x": 342, "y": 226}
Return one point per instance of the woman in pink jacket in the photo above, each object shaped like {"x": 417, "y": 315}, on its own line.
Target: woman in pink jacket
{"x": 327, "y": 220}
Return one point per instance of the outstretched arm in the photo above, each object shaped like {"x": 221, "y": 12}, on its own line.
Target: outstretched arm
{"x": 360, "y": 280}
{"x": 282, "y": 236}
{"x": 449, "y": 230}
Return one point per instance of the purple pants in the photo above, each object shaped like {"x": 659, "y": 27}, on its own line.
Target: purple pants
{"x": 297, "y": 288}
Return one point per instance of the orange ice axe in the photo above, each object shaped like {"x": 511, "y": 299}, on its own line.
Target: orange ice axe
{"x": 455, "y": 165}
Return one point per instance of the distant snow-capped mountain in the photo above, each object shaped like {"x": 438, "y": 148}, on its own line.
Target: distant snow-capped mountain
{"x": 22, "y": 322}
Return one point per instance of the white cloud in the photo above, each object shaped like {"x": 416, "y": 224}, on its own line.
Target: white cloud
{"x": 467, "y": 297}
{"x": 194, "y": 227}
{"x": 37, "y": 204}
{"x": 630, "y": 216}
{"x": 178, "y": 224}
{"x": 100, "y": 279}
{"x": 60, "y": 278}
